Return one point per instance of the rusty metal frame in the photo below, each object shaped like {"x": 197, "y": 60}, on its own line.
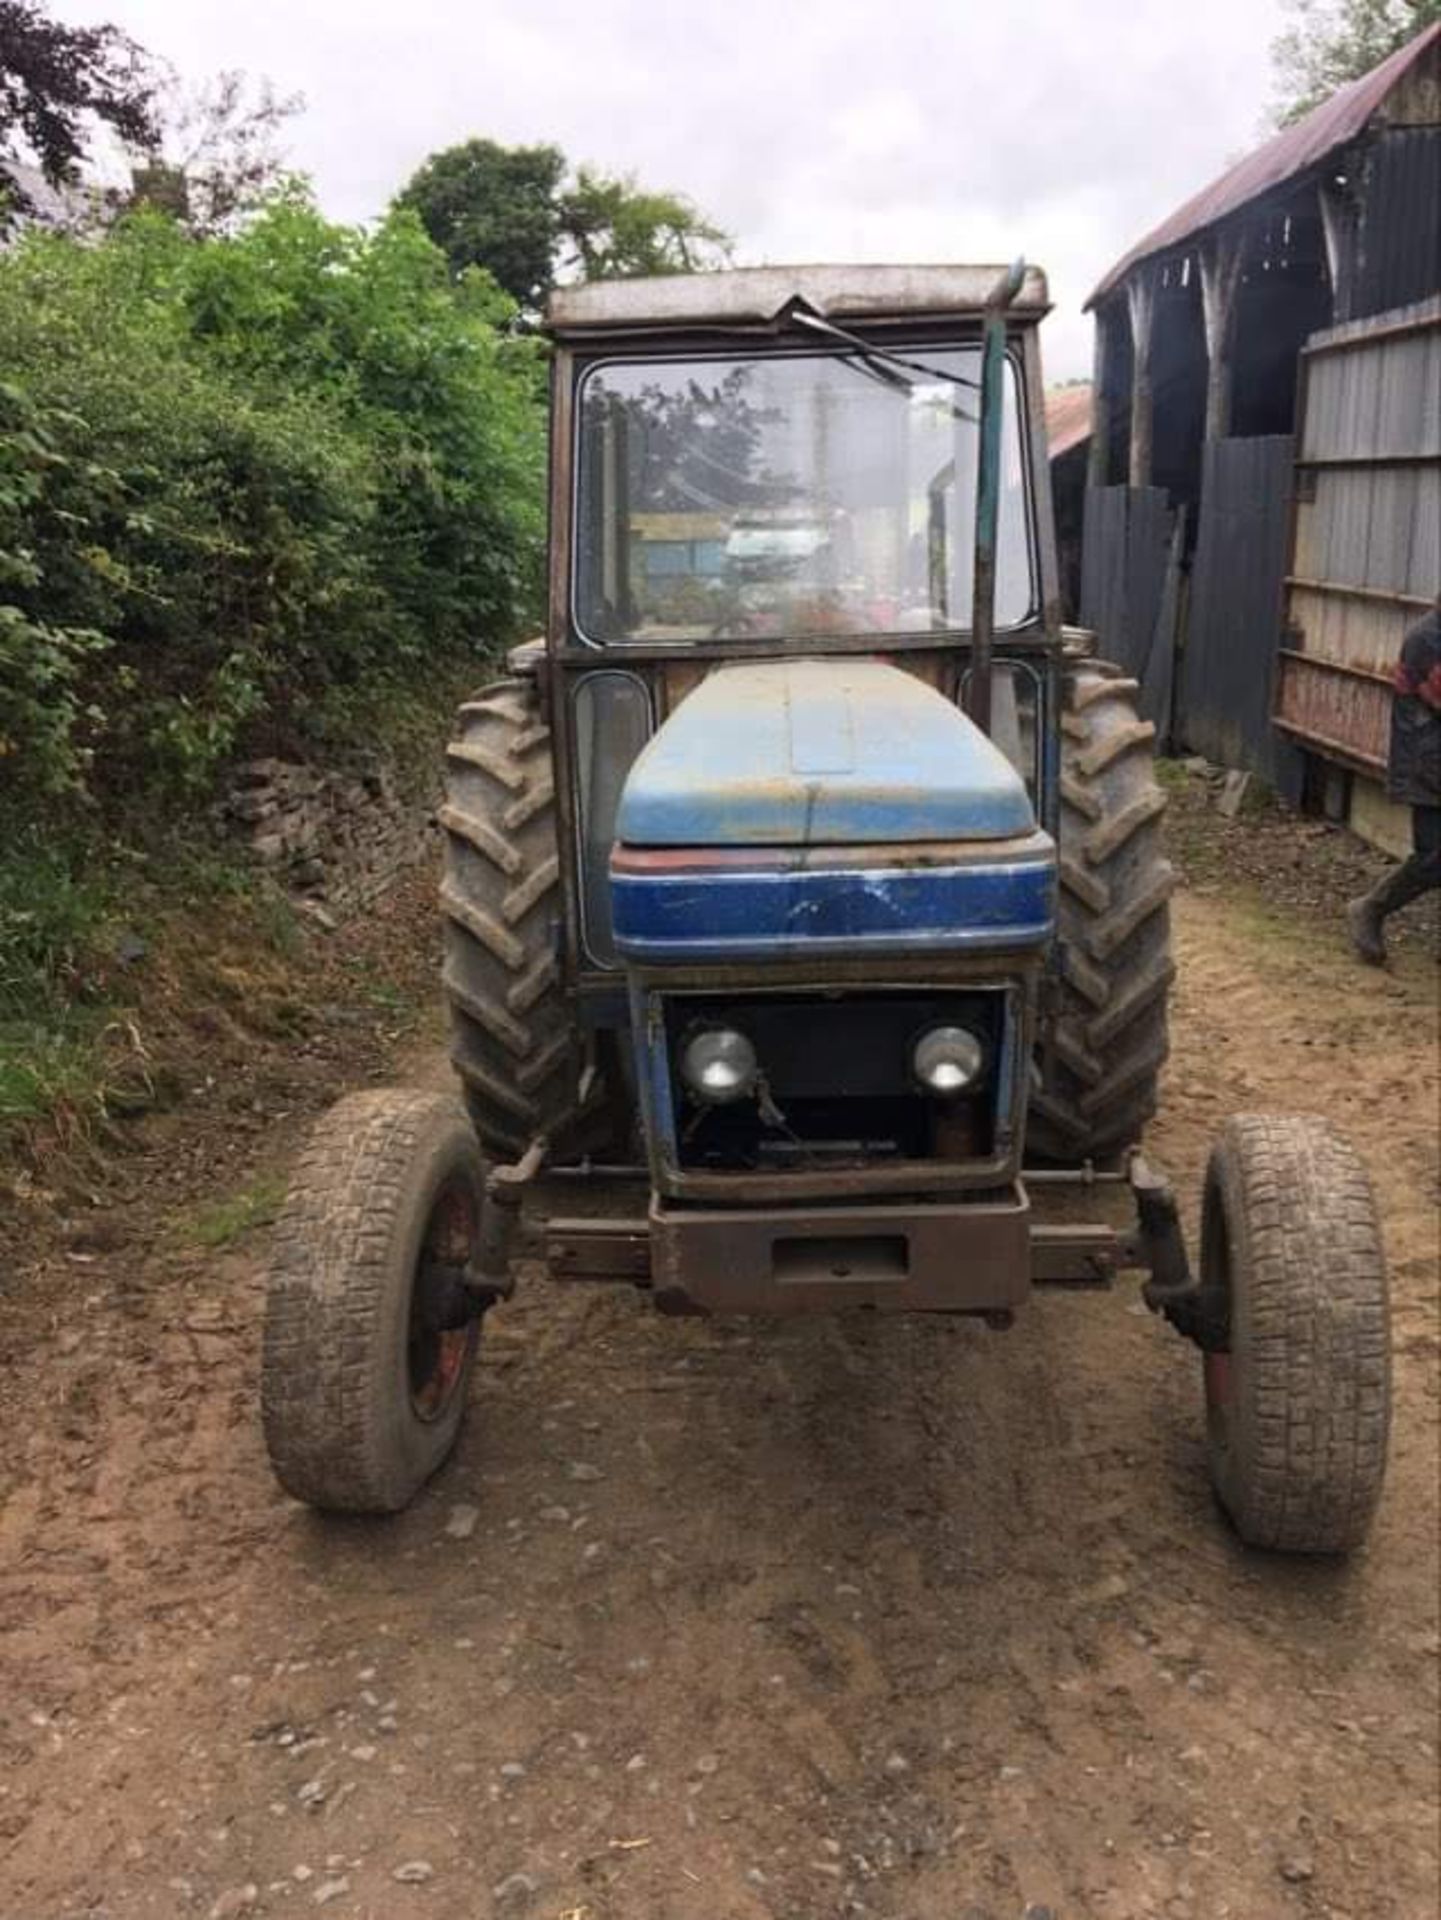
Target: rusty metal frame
{"x": 1349, "y": 590}
{"x": 603, "y": 1248}
{"x": 1333, "y": 749}
{"x": 942, "y": 1256}
{"x": 977, "y": 1254}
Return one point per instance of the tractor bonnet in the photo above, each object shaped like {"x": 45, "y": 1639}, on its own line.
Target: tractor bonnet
{"x": 814, "y": 752}
{"x": 814, "y": 806}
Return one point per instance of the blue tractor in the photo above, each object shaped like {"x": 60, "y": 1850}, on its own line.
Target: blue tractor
{"x": 805, "y": 889}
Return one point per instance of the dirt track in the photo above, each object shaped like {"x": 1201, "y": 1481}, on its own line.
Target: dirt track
{"x": 814, "y": 1619}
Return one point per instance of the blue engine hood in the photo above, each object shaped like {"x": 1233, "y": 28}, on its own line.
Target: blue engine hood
{"x": 819, "y": 753}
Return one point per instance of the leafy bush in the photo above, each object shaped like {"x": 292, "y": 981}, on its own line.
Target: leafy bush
{"x": 258, "y": 492}
{"x": 40, "y": 663}
{"x": 243, "y": 484}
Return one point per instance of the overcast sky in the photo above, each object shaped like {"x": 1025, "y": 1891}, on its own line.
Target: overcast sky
{"x": 848, "y": 130}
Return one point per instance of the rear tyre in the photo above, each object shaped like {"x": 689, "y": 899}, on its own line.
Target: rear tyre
{"x": 513, "y": 1040}
{"x": 1104, "y": 1042}
{"x": 369, "y": 1342}
{"x": 1298, "y": 1405}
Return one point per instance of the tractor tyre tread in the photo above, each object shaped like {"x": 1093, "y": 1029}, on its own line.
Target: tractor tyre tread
{"x": 1105, "y": 1040}
{"x": 339, "y": 1427}
{"x": 1304, "y": 1455}
{"x": 514, "y": 1042}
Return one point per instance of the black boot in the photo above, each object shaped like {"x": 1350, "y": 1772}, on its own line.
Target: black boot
{"x": 1398, "y": 888}
{"x": 1366, "y": 918}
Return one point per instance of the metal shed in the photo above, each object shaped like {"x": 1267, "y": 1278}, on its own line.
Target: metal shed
{"x": 1267, "y": 377}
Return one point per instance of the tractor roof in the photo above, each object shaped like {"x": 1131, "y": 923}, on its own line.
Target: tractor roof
{"x": 753, "y": 296}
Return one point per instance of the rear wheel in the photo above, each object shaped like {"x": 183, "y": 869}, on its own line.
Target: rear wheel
{"x": 1105, "y": 1040}
{"x": 370, "y": 1335}
{"x": 513, "y": 1040}
{"x": 1298, "y": 1403}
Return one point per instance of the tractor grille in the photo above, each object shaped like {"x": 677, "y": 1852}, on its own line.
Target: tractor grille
{"x": 836, "y": 1087}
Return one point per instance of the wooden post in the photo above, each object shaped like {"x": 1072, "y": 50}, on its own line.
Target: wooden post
{"x": 1220, "y": 263}
{"x": 1141, "y": 303}
{"x": 1098, "y": 460}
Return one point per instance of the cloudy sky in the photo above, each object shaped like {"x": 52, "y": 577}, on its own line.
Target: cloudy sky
{"x": 849, "y": 130}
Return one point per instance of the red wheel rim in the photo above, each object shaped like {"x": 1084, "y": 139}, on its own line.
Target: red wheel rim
{"x": 436, "y": 1355}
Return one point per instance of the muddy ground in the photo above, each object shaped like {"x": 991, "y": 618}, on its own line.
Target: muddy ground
{"x": 732, "y": 1622}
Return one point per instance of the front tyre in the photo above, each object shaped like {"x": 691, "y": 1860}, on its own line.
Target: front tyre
{"x": 370, "y": 1337}
{"x": 1298, "y": 1404}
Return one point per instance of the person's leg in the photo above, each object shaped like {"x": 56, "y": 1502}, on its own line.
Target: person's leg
{"x": 1417, "y": 874}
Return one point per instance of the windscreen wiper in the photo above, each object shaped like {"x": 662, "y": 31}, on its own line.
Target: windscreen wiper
{"x": 894, "y": 369}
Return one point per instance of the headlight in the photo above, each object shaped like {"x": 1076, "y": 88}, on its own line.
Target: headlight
{"x": 718, "y": 1064}
{"x": 947, "y": 1059}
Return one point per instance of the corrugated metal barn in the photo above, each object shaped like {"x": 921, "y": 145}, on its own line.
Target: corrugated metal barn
{"x": 1263, "y": 504}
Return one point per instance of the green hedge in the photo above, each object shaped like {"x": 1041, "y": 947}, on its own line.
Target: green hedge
{"x": 245, "y": 486}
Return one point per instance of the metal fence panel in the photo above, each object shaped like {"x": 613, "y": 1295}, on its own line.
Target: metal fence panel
{"x": 1129, "y": 565}
{"x": 1367, "y": 554}
{"x": 1237, "y": 585}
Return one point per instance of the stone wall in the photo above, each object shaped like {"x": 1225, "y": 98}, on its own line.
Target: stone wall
{"x": 335, "y": 840}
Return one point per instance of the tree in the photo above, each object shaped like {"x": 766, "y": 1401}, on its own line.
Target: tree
{"x": 1332, "y": 41}
{"x": 216, "y": 154}
{"x": 490, "y": 206}
{"x": 512, "y": 211}
{"x": 54, "y": 81}
{"x": 615, "y": 229}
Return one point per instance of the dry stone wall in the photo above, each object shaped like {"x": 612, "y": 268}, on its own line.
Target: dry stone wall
{"x": 333, "y": 839}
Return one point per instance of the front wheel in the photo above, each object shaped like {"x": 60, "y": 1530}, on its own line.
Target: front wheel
{"x": 370, "y": 1333}
{"x": 1298, "y": 1402}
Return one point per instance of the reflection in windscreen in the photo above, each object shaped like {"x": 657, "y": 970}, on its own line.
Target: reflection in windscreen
{"x": 803, "y": 494}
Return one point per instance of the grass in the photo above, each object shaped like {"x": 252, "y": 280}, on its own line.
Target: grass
{"x": 126, "y": 932}
{"x": 222, "y": 1222}
{"x": 56, "y": 923}
{"x": 45, "y": 1070}
{"x": 88, "y": 929}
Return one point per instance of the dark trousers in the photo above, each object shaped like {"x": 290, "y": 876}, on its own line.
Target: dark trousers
{"x": 1422, "y": 871}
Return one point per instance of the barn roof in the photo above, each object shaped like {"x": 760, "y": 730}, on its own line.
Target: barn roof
{"x": 1068, "y": 417}
{"x": 1295, "y": 150}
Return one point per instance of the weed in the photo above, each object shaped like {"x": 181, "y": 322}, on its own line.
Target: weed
{"x": 54, "y": 912}
{"x": 43, "y": 1072}
{"x": 222, "y": 1222}
{"x": 274, "y": 919}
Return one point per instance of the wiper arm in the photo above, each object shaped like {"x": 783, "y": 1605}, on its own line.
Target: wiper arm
{"x": 894, "y": 368}
{"x": 880, "y": 366}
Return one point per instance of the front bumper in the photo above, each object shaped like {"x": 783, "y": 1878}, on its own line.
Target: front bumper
{"x": 962, "y": 1256}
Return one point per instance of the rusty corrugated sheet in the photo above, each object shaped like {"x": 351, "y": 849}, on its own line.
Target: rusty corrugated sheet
{"x": 1068, "y": 417}
{"x": 1344, "y": 715}
{"x": 1294, "y": 151}
{"x": 1366, "y": 547}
